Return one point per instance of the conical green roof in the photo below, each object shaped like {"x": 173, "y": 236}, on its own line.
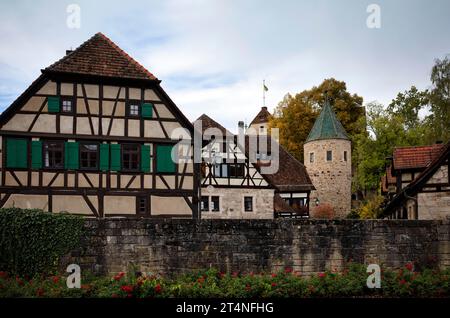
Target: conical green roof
{"x": 327, "y": 126}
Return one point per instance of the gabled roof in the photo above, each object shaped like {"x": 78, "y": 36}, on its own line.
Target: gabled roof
{"x": 416, "y": 185}
{"x": 100, "y": 56}
{"x": 415, "y": 157}
{"x": 291, "y": 174}
{"x": 208, "y": 122}
{"x": 327, "y": 126}
{"x": 262, "y": 117}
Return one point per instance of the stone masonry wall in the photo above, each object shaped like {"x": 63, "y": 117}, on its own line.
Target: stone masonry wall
{"x": 172, "y": 246}
{"x": 332, "y": 179}
{"x": 231, "y": 203}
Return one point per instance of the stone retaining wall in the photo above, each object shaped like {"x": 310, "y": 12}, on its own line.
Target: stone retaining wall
{"x": 173, "y": 246}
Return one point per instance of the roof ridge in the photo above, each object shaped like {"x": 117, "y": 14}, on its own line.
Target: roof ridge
{"x": 125, "y": 54}
{"x": 99, "y": 55}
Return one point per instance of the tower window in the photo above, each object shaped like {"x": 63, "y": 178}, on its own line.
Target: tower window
{"x": 329, "y": 155}
{"x": 345, "y": 155}
{"x": 311, "y": 157}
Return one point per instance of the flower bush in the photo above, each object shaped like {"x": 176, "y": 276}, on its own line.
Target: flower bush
{"x": 350, "y": 282}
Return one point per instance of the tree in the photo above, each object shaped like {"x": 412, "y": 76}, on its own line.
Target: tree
{"x": 295, "y": 115}
{"x": 439, "y": 119}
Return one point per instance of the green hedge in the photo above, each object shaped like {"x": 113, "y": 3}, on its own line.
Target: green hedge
{"x": 33, "y": 241}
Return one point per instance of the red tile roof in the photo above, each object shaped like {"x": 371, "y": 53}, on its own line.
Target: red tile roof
{"x": 291, "y": 174}
{"x": 101, "y": 57}
{"x": 387, "y": 180}
{"x": 415, "y": 157}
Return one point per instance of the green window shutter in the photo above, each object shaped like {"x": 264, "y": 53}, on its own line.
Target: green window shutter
{"x": 147, "y": 110}
{"x": 53, "y": 104}
{"x": 104, "y": 157}
{"x": 36, "y": 154}
{"x": 164, "y": 161}
{"x": 71, "y": 158}
{"x": 145, "y": 158}
{"x": 115, "y": 157}
{"x": 16, "y": 153}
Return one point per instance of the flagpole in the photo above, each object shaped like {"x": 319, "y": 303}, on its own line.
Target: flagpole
{"x": 264, "y": 93}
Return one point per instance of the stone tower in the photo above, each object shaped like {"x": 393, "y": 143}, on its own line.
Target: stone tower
{"x": 327, "y": 157}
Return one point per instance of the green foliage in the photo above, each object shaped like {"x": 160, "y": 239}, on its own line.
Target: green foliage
{"x": 32, "y": 241}
{"x": 295, "y": 115}
{"x": 348, "y": 282}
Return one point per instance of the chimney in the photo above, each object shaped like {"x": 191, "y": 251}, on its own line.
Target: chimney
{"x": 240, "y": 124}
{"x": 69, "y": 51}
{"x": 264, "y": 108}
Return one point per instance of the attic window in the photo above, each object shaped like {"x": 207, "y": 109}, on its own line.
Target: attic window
{"x": 133, "y": 108}
{"x": 66, "y": 105}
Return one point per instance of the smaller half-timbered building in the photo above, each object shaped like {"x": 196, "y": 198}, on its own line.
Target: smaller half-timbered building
{"x": 422, "y": 183}
{"x": 92, "y": 135}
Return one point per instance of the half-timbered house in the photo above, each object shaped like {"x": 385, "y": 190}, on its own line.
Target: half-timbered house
{"x": 242, "y": 188}
{"x": 422, "y": 183}
{"x": 231, "y": 186}
{"x": 93, "y": 135}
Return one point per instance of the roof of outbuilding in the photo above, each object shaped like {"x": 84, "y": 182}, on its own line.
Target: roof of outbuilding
{"x": 291, "y": 174}
{"x": 327, "y": 126}
{"x": 415, "y": 157}
{"x": 100, "y": 56}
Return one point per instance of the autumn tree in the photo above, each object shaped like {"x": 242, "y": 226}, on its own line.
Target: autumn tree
{"x": 295, "y": 115}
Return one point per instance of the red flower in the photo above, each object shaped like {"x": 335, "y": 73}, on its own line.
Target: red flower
{"x": 248, "y": 287}
{"x": 274, "y": 275}
{"x": 114, "y": 295}
{"x": 3, "y": 274}
{"x": 40, "y": 292}
{"x": 409, "y": 266}
{"x": 322, "y": 275}
{"x": 127, "y": 288}
{"x": 55, "y": 279}
{"x": 19, "y": 281}
{"x": 402, "y": 282}
{"x": 158, "y": 288}
{"x": 274, "y": 284}
{"x": 251, "y": 274}
{"x": 235, "y": 274}
{"x": 221, "y": 274}
{"x": 288, "y": 270}
{"x": 201, "y": 280}
{"x": 119, "y": 276}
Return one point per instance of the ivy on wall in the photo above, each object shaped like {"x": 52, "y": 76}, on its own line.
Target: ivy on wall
{"x": 33, "y": 241}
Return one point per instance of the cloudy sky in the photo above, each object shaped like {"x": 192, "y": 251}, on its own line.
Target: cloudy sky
{"x": 212, "y": 55}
